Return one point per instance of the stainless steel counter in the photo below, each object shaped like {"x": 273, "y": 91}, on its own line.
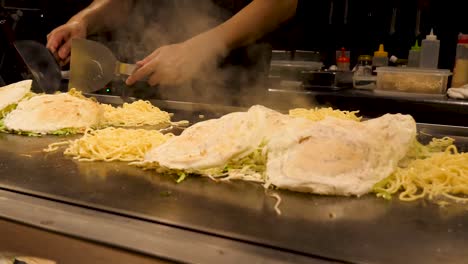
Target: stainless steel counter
{"x": 362, "y": 230}
{"x": 22, "y": 240}
{"x": 426, "y": 108}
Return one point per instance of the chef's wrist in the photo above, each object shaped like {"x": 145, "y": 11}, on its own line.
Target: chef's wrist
{"x": 79, "y": 23}
{"x": 211, "y": 42}
{"x": 83, "y": 21}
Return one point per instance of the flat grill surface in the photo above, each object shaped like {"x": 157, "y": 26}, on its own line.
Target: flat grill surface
{"x": 365, "y": 229}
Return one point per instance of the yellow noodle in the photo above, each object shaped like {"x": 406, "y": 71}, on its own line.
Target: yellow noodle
{"x": 78, "y": 94}
{"x": 112, "y": 144}
{"x": 441, "y": 175}
{"x": 138, "y": 113}
{"x": 277, "y": 197}
{"x": 317, "y": 114}
{"x": 55, "y": 146}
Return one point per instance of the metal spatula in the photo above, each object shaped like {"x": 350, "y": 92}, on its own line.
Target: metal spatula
{"x": 41, "y": 63}
{"x": 93, "y": 65}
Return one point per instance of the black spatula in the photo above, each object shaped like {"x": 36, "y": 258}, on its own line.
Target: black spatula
{"x": 41, "y": 63}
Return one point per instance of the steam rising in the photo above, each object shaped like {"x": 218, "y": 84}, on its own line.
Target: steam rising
{"x": 153, "y": 24}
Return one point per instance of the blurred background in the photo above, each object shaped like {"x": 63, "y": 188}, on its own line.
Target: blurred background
{"x": 324, "y": 26}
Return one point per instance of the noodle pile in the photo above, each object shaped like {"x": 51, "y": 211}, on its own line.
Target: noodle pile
{"x": 112, "y": 144}
{"x": 317, "y": 114}
{"x": 139, "y": 113}
{"x": 420, "y": 151}
{"x": 78, "y": 94}
{"x": 434, "y": 171}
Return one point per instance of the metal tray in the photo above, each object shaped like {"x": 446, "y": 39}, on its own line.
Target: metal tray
{"x": 363, "y": 230}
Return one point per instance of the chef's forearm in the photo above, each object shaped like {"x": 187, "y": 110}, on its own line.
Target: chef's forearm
{"x": 103, "y": 14}
{"x": 254, "y": 21}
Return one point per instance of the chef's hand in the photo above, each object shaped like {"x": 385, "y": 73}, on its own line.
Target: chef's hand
{"x": 59, "y": 40}
{"x": 177, "y": 63}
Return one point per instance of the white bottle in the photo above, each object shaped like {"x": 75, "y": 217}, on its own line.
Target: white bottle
{"x": 430, "y": 52}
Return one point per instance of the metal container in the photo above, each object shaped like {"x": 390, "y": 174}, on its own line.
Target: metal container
{"x": 327, "y": 80}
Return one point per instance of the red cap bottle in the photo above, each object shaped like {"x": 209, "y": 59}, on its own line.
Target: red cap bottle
{"x": 343, "y": 62}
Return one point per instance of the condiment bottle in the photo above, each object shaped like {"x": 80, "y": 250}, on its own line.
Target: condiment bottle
{"x": 460, "y": 72}
{"x": 380, "y": 57}
{"x": 414, "y": 55}
{"x": 362, "y": 77}
{"x": 430, "y": 52}
{"x": 364, "y": 66}
{"x": 343, "y": 62}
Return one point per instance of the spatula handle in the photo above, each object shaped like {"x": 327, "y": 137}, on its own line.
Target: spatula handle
{"x": 126, "y": 69}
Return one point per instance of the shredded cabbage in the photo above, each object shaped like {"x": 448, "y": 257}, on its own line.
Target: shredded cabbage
{"x": 249, "y": 168}
{"x": 27, "y": 133}
{"x": 60, "y": 132}
{"x": 182, "y": 176}
{"x": 2, "y": 126}
{"x": 66, "y": 131}
{"x": 5, "y": 111}
{"x": 420, "y": 151}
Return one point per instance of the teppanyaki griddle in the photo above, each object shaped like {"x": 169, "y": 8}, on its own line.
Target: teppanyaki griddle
{"x": 362, "y": 230}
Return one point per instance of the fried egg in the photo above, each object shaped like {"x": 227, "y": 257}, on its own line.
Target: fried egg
{"x": 213, "y": 143}
{"x": 338, "y": 157}
{"x": 269, "y": 121}
{"x": 48, "y": 113}
{"x": 13, "y": 93}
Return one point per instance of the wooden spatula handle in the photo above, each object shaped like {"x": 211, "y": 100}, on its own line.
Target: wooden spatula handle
{"x": 126, "y": 69}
